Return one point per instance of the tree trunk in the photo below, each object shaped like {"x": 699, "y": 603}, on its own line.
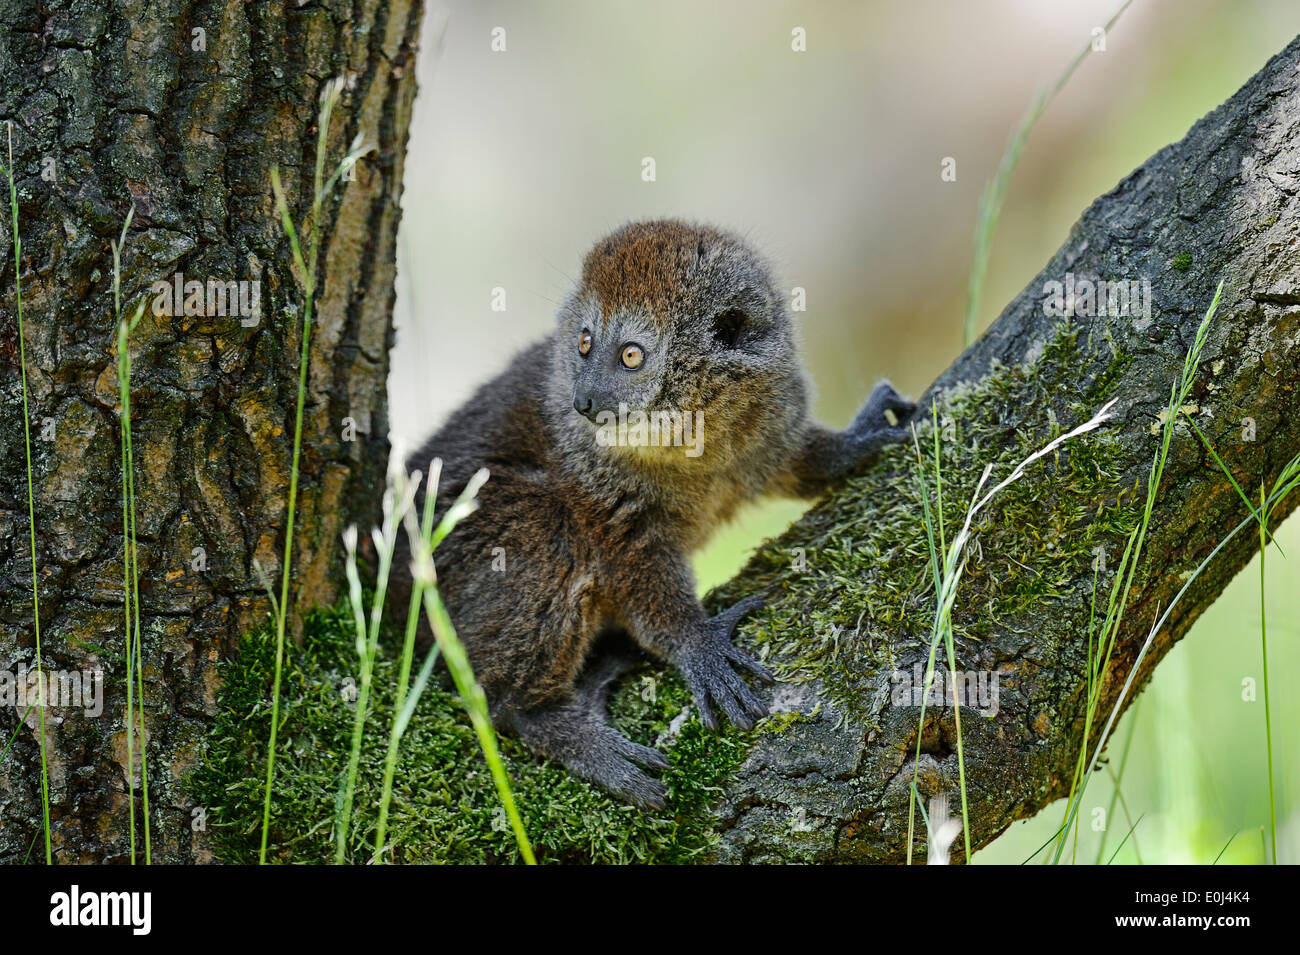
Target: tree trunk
{"x": 848, "y": 585}
{"x": 180, "y": 110}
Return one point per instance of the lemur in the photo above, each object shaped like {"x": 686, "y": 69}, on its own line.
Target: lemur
{"x": 597, "y": 524}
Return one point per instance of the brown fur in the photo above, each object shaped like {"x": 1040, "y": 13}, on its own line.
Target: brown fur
{"x": 596, "y": 540}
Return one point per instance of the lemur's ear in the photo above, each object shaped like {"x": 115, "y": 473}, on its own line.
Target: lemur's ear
{"x": 728, "y": 325}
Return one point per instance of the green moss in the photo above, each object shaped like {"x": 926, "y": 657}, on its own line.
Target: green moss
{"x": 865, "y": 588}
{"x": 444, "y": 807}
{"x": 837, "y": 611}
{"x": 1104, "y": 384}
{"x": 1182, "y": 261}
{"x": 778, "y": 723}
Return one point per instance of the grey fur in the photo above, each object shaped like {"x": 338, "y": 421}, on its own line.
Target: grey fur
{"x": 597, "y": 539}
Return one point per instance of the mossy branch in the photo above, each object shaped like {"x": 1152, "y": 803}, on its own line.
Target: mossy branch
{"x": 850, "y": 598}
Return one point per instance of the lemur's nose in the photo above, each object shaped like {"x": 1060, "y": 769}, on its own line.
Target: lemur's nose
{"x": 583, "y": 403}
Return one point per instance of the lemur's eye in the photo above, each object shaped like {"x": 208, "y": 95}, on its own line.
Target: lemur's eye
{"x": 632, "y": 355}
{"x": 584, "y": 342}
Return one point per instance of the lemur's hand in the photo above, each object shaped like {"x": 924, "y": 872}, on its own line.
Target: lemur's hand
{"x": 871, "y": 428}
{"x": 709, "y": 664}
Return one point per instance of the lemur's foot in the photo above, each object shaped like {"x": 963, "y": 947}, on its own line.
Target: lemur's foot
{"x": 578, "y": 737}
{"x": 710, "y": 664}
{"x": 623, "y": 767}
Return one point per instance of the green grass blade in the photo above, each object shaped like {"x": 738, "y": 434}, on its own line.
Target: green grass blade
{"x": 1228, "y": 474}
{"x": 18, "y": 729}
{"x": 397, "y": 503}
{"x": 475, "y": 703}
{"x": 961, "y": 756}
{"x": 1119, "y": 778}
{"x": 31, "y": 498}
{"x": 1178, "y": 394}
{"x": 1125, "y": 839}
{"x": 401, "y": 716}
{"x": 1271, "y": 501}
{"x": 994, "y": 193}
{"x": 306, "y": 273}
{"x": 935, "y": 572}
{"x": 131, "y": 556}
{"x": 1050, "y": 839}
{"x": 347, "y": 785}
{"x": 123, "y": 404}
{"x": 1225, "y": 847}
{"x": 1115, "y": 781}
{"x": 1263, "y": 644}
{"x": 453, "y": 652}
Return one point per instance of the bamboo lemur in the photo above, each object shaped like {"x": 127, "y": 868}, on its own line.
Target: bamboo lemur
{"x": 596, "y": 536}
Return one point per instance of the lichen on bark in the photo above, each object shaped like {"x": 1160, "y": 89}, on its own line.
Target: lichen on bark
{"x": 179, "y": 110}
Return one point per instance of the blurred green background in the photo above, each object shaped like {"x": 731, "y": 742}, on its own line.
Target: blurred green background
{"x": 829, "y": 160}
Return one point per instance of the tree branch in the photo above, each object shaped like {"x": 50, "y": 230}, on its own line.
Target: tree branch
{"x": 850, "y": 594}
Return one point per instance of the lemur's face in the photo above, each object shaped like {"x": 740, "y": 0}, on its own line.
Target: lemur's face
{"x": 672, "y": 317}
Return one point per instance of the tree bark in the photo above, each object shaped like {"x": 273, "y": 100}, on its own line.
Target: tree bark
{"x": 834, "y": 786}
{"x": 180, "y": 109}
